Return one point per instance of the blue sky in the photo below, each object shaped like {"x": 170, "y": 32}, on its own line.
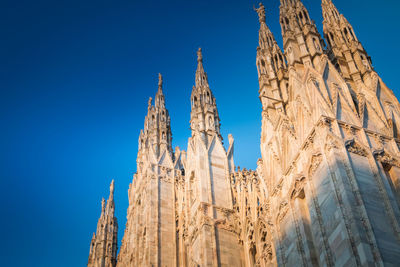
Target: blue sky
{"x": 75, "y": 77}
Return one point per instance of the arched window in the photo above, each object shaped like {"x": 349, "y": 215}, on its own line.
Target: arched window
{"x": 317, "y": 46}
{"x": 280, "y": 57}
{"x": 346, "y": 33}
{"x": 306, "y": 15}
{"x": 287, "y": 23}
{"x": 352, "y": 34}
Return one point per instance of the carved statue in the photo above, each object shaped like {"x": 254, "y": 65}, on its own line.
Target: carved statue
{"x": 199, "y": 55}
{"x": 160, "y": 80}
{"x": 261, "y": 12}
{"x": 149, "y": 103}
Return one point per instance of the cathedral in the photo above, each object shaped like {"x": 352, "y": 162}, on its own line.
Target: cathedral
{"x": 326, "y": 191}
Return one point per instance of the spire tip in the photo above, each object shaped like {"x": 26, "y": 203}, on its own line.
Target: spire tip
{"x": 112, "y": 189}
{"x": 261, "y": 12}
{"x": 160, "y": 80}
{"x": 199, "y": 55}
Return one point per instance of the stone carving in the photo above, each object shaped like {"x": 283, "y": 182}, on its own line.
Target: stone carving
{"x": 192, "y": 208}
{"x": 298, "y": 188}
{"x": 261, "y": 13}
{"x": 315, "y": 162}
{"x": 384, "y": 157}
{"x": 356, "y": 148}
{"x": 104, "y": 244}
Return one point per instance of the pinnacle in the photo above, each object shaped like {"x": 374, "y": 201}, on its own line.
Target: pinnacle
{"x": 103, "y": 202}
{"x": 160, "y": 82}
{"x": 261, "y": 12}
{"x": 201, "y": 77}
{"x": 199, "y": 55}
{"x": 111, "y": 197}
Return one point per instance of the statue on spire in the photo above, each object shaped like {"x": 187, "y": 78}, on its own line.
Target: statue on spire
{"x": 149, "y": 103}
{"x": 112, "y": 189}
{"x": 160, "y": 81}
{"x": 199, "y": 55}
{"x": 261, "y": 12}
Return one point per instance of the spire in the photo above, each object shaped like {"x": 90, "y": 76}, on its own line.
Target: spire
{"x": 201, "y": 75}
{"x": 110, "y": 207}
{"x": 103, "y": 205}
{"x": 157, "y": 129}
{"x": 301, "y": 41}
{"x": 266, "y": 38}
{"x": 271, "y": 65}
{"x": 111, "y": 190}
{"x": 344, "y": 49}
{"x": 261, "y": 13}
{"x": 204, "y": 115}
{"x": 106, "y": 235}
{"x": 160, "y": 82}
{"x": 159, "y": 101}
{"x": 270, "y": 58}
{"x": 334, "y": 21}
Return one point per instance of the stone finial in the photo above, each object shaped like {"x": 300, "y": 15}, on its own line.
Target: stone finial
{"x": 112, "y": 189}
{"x": 261, "y": 13}
{"x": 149, "y": 103}
{"x": 160, "y": 81}
{"x": 201, "y": 76}
{"x": 103, "y": 204}
{"x": 230, "y": 139}
{"x": 199, "y": 55}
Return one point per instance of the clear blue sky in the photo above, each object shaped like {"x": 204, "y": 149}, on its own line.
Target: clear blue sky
{"x": 75, "y": 77}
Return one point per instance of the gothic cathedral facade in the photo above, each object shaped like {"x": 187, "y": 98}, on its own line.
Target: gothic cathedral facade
{"x": 326, "y": 191}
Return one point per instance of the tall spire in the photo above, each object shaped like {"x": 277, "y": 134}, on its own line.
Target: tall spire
{"x": 270, "y": 58}
{"x": 271, "y": 66}
{"x": 157, "y": 128}
{"x": 344, "y": 49}
{"x": 160, "y": 99}
{"x": 160, "y": 82}
{"x": 266, "y": 38}
{"x": 204, "y": 115}
{"x": 201, "y": 75}
{"x": 110, "y": 207}
{"x": 301, "y": 41}
{"x": 261, "y": 13}
{"x": 112, "y": 190}
{"x": 104, "y": 244}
